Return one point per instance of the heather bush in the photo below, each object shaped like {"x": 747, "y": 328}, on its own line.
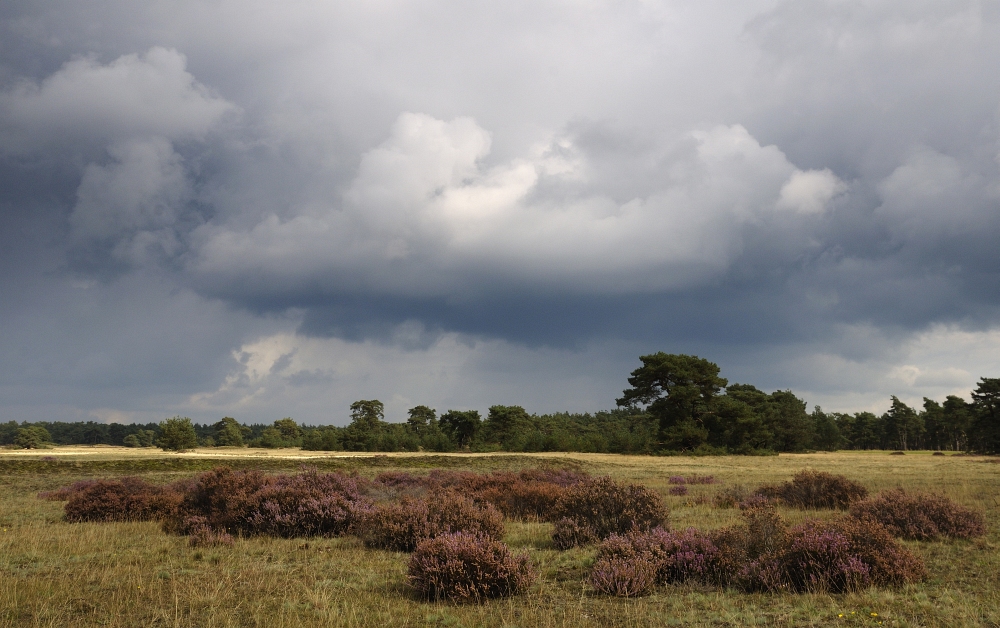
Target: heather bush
{"x": 731, "y": 496}
{"x": 920, "y": 516}
{"x": 468, "y": 567}
{"x": 748, "y": 550}
{"x": 63, "y": 493}
{"x": 567, "y": 533}
{"x": 816, "y": 489}
{"x": 623, "y": 577}
{"x": 678, "y": 490}
{"x": 677, "y": 556}
{"x": 601, "y": 507}
{"x": 401, "y": 526}
{"x": 845, "y": 555}
{"x": 128, "y": 499}
{"x": 251, "y": 503}
{"x": 692, "y": 479}
{"x": 202, "y": 535}
{"x": 528, "y": 495}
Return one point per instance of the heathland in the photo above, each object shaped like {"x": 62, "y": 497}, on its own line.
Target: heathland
{"x": 57, "y": 573}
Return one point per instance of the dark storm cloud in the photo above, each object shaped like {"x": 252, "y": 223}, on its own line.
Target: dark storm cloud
{"x": 764, "y": 184}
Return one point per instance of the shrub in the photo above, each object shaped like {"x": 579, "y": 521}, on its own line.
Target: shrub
{"x": 678, "y": 490}
{"x": 177, "y": 434}
{"x": 731, "y": 496}
{"x": 531, "y": 494}
{"x": 816, "y": 489}
{"x": 677, "y": 556}
{"x": 467, "y": 567}
{"x": 128, "y": 499}
{"x": 845, "y": 555}
{"x": 569, "y": 533}
{"x": 251, "y": 503}
{"x": 63, "y": 493}
{"x": 920, "y": 516}
{"x": 202, "y": 535}
{"x": 748, "y": 550}
{"x": 692, "y": 479}
{"x": 31, "y": 437}
{"x": 623, "y": 577}
{"x": 401, "y": 526}
{"x": 602, "y": 507}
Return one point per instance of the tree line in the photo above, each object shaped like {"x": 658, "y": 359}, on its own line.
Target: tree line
{"x": 675, "y": 404}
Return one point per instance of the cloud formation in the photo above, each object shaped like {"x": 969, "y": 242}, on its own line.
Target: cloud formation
{"x": 801, "y": 191}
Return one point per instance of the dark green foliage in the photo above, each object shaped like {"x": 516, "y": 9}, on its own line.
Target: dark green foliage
{"x": 986, "y": 416}
{"x": 229, "y": 433}
{"x": 31, "y": 437}
{"x": 461, "y": 426}
{"x": 177, "y": 434}
{"x": 679, "y": 391}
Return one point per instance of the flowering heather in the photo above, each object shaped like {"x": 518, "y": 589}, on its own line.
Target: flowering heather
{"x": 845, "y": 555}
{"x": 623, "y": 577}
{"x": 692, "y": 479}
{"x": 201, "y": 535}
{"x": 63, "y": 493}
{"x": 920, "y": 516}
{"x": 468, "y": 567}
{"x": 251, "y": 503}
{"x": 401, "y": 526}
{"x": 602, "y": 507}
{"x": 128, "y": 499}
{"x": 816, "y": 489}
{"x": 678, "y": 490}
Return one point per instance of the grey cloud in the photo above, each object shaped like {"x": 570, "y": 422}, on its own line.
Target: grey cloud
{"x": 745, "y": 183}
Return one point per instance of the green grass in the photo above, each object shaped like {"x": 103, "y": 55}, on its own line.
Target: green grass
{"x": 57, "y": 574}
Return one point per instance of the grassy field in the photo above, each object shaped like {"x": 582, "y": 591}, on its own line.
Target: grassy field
{"x": 54, "y": 573}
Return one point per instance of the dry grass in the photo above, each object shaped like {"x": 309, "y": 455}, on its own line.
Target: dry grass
{"x": 54, "y": 573}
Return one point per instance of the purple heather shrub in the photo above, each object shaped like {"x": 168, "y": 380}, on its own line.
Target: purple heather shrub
{"x": 814, "y": 490}
{"x": 468, "y": 567}
{"x": 251, "y": 503}
{"x": 401, "y": 526}
{"x": 920, "y": 516}
{"x": 127, "y": 499}
{"x": 63, "y": 493}
{"x": 601, "y": 507}
{"x": 623, "y": 577}
{"x": 678, "y": 490}
{"x": 677, "y": 479}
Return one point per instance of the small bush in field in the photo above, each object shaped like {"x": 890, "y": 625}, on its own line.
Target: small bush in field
{"x": 678, "y": 490}
{"x": 63, "y": 493}
{"x": 401, "y": 526}
{"x": 677, "y": 556}
{"x": 128, "y": 499}
{"x": 602, "y": 507}
{"x": 528, "y": 495}
{"x": 568, "y": 533}
{"x": 251, "y": 503}
{"x": 201, "y": 535}
{"x": 623, "y": 577}
{"x": 692, "y": 479}
{"x": 731, "y": 496}
{"x": 920, "y": 516}
{"x": 845, "y": 555}
{"x": 816, "y": 489}
{"x": 468, "y": 567}
{"x": 748, "y": 550}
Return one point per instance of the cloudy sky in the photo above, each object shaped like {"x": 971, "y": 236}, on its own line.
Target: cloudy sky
{"x": 265, "y": 209}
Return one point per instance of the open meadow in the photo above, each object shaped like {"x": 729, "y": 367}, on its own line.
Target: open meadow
{"x": 55, "y": 573}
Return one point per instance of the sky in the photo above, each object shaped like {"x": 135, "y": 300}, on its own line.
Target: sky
{"x": 261, "y": 209}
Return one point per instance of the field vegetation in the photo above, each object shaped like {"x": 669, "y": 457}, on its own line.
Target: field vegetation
{"x": 63, "y": 565}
